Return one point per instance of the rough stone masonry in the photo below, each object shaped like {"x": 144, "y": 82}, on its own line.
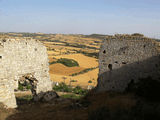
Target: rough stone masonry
{"x": 22, "y": 59}
{"x": 126, "y": 58}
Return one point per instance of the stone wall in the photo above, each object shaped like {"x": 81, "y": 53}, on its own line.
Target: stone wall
{"x": 126, "y": 58}
{"x": 19, "y": 58}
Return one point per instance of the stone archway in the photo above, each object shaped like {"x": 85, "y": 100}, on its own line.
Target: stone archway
{"x": 30, "y": 79}
{"x": 19, "y": 58}
{"x": 37, "y": 96}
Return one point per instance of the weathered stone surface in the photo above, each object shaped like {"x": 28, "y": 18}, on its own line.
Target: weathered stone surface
{"x": 20, "y": 58}
{"x": 123, "y": 59}
{"x": 46, "y": 96}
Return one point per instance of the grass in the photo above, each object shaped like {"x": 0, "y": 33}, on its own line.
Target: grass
{"x": 72, "y": 96}
{"x": 25, "y": 98}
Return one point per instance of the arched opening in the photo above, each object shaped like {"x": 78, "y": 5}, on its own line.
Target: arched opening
{"x": 27, "y": 89}
{"x": 110, "y": 67}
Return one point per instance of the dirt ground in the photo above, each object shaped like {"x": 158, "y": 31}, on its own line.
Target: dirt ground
{"x": 68, "y": 109}
{"x": 94, "y": 106}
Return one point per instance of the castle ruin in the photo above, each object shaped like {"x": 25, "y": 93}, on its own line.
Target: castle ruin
{"x": 22, "y": 60}
{"x": 127, "y": 58}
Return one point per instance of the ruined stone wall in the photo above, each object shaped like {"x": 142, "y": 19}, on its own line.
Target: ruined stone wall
{"x": 123, "y": 59}
{"x": 18, "y": 58}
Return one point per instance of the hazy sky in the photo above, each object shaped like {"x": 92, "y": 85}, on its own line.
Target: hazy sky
{"x": 81, "y": 16}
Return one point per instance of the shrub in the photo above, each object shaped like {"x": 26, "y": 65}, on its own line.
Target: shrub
{"x": 28, "y": 87}
{"x": 80, "y": 46}
{"x": 52, "y": 62}
{"x": 146, "y": 87}
{"x": 24, "y": 86}
{"x": 73, "y": 80}
{"x": 89, "y": 81}
{"x": 138, "y": 34}
{"x": 20, "y": 87}
{"x": 62, "y": 87}
{"x": 83, "y": 71}
{"x": 68, "y": 62}
{"x": 99, "y": 114}
{"x": 93, "y": 54}
{"x": 138, "y": 112}
{"x": 79, "y": 90}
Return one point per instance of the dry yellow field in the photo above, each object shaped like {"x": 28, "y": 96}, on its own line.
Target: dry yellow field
{"x": 84, "y": 61}
{"x": 77, "y": 47}
{"x": 60, "y": 73}
{"x": 82, "y": 80}
{"x": 61, "y": 69}
{"x": 52, "y": 53}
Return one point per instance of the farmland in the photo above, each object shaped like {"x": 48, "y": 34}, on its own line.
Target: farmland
{"x": 82, "y": 49}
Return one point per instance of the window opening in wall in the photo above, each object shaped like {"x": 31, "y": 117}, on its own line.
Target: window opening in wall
{"x": 116, "y": 62}
{"x": 0, "y": 57}
{"x": 110, "y": 66}
{"x": 104, "y": 51}
{"x": 4, "y": 40}
{"x": 124, "y": 63}
{"x": 28, "y": 82}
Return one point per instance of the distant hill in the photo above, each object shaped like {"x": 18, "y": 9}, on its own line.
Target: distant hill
{"x": 98, "y": 36}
